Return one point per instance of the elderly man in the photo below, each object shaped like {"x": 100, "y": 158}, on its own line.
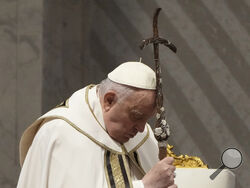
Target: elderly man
{"x": 99, "y": 137}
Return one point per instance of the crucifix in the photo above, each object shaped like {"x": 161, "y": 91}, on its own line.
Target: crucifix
{"x": 161, "y": 130}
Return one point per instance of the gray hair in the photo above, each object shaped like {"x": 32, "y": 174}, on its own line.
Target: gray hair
{"x": 122, "y": 91}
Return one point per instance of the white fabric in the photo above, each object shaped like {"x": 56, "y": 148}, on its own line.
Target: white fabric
{"x": 62, "y": 157}
{"x": 135, "y": 74}
{"x": 138, "y": 184}
{"x": 200, "y": 178}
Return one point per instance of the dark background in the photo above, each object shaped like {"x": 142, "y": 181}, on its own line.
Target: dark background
{"x": 49, "y": 49}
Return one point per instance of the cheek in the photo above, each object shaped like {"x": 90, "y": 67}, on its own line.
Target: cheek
{"x": 119, "y": 118}
{"x": 119, "y": 125}
{"x": 116, "y": 131}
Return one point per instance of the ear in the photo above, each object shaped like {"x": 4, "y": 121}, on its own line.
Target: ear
{"x": 109, "y": 100}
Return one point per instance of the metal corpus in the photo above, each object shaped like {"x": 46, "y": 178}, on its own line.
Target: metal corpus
{"x": 161, "y": 131}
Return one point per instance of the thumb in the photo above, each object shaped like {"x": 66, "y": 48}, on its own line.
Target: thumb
{"x": 168, "y": 160}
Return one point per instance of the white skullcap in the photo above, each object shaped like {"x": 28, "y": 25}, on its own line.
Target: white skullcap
{"x": 135, "y": 74}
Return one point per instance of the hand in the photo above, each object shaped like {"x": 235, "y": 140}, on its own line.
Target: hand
{"x": 161, "y": 175}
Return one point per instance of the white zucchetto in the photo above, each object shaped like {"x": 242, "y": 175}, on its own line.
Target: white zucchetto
{"x": 135, "y": 74}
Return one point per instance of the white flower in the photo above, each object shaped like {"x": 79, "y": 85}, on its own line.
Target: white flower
{"x": 168, "y": 132}
{"x": 163, "y": 135}
{"x": 164, "y": 122}
{"x": 158, "y": 131}
{"x": 158, "y": 116}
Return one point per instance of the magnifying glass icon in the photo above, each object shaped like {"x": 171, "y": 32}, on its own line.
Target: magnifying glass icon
{"x": 231, "y": 158}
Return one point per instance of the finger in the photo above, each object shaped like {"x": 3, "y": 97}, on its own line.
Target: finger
{"x": 172, "y": 168}
{"x": 168, "y": 160}
{"x": 170, "y": 175}
{"x": 169, "y": 168}
{"x": 173, "y": 175}
{"x": 171, "y": 180}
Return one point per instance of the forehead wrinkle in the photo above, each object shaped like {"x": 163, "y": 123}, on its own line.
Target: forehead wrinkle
{"x": 140, "y": 98}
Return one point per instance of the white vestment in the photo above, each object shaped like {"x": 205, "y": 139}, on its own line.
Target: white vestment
{"x": 72, "y": 150}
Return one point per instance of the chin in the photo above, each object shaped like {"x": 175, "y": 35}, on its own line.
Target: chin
{"x": 123, "y": 140}
{"x": 126, "y": 140}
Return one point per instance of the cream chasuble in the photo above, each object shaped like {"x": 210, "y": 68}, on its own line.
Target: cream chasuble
{"x": 73, "y": 150}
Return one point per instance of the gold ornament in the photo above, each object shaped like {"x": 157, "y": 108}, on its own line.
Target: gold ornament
{"x": 185, "y": 161}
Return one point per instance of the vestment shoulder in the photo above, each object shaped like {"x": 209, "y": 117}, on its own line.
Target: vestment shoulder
{"x": 63, "y": 134}
{"x": 51, "y": 129}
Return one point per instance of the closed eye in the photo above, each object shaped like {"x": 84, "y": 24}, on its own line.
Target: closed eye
{"x": 136, "y": 115}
